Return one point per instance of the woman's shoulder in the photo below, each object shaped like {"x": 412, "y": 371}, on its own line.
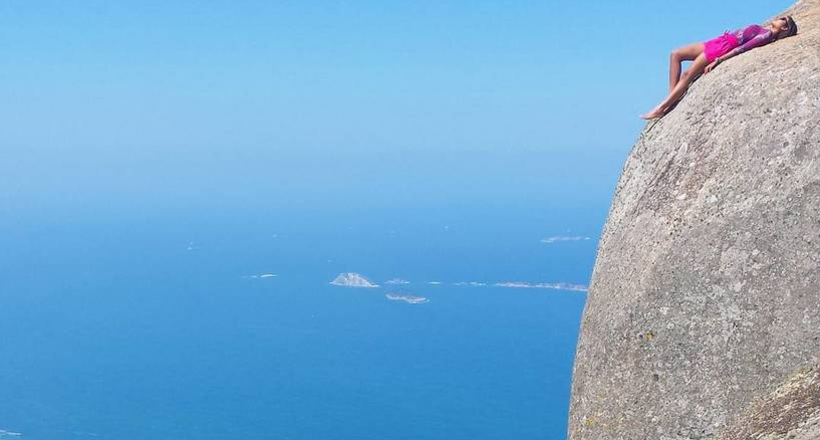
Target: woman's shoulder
{"x": 745, "y": 30}
{"x": 754, "y": 30}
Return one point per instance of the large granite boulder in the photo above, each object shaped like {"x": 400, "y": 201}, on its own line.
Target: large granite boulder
{"x": 706, "y": 289}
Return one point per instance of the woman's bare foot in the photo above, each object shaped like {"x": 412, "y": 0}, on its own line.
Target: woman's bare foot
{"x": 655, "y": 113}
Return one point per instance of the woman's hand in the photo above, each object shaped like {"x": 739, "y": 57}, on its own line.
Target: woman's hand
{"x": 711, "y": 66}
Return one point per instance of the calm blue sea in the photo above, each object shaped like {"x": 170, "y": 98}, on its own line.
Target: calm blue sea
{"x": 137, "y": 322}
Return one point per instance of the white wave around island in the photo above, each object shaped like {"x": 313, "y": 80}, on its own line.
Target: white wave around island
{"x": 409, "y": 299}
{"x": 513, "y": 285}
{"x": 397, "y": 281}
{"x": 352, "y": 279}
{"x": 5, "y": 433}
{"x": 470, "y": 283}
{"x": 260, "y": 276}
{"x": 554, "y": 286}
{"x": 560, "y": 238}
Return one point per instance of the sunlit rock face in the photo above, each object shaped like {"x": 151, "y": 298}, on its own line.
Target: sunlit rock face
{"x": 705, "y": 295}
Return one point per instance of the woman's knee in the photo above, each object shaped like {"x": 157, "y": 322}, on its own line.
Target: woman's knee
{"x": 676, "y": 55}
{"x": 688, "y": 75}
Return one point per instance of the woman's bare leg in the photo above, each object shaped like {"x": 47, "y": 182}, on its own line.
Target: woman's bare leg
{"x": 680, "y": 88}
{"x": 678, "y": 56}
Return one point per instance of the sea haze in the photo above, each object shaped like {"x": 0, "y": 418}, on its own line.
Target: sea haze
{"x": 191, "y": 320}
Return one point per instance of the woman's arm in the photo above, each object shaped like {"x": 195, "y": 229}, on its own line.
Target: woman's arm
{"x": 758, "y": 40}
{"x": 717, "y": 61}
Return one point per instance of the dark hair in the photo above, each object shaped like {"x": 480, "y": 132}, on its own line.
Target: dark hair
{"x": 792, "y": 30}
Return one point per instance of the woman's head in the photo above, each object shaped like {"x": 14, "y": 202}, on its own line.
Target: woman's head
{"x": 784, "y": 27}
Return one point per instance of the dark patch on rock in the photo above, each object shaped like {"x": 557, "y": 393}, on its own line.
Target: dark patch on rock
{"x": 792, "y": 411}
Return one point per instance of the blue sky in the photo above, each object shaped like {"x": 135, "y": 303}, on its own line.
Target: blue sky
{"x": 109, "y": 102}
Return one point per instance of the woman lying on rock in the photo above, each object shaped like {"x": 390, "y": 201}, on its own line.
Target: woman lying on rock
{"x": 706, "y": 56}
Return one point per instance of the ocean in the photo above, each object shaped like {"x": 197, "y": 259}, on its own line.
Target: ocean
{"x": 213, "y": 322}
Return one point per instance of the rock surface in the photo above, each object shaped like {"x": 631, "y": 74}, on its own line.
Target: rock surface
{"x": 792, "y": 411}
{"x": 706, "y": 289}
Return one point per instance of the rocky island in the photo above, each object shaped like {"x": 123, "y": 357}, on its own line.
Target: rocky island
{"x": 352, "y": 279}
{"x": 703, "y": 314}
{"x": 410, "y": 299}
